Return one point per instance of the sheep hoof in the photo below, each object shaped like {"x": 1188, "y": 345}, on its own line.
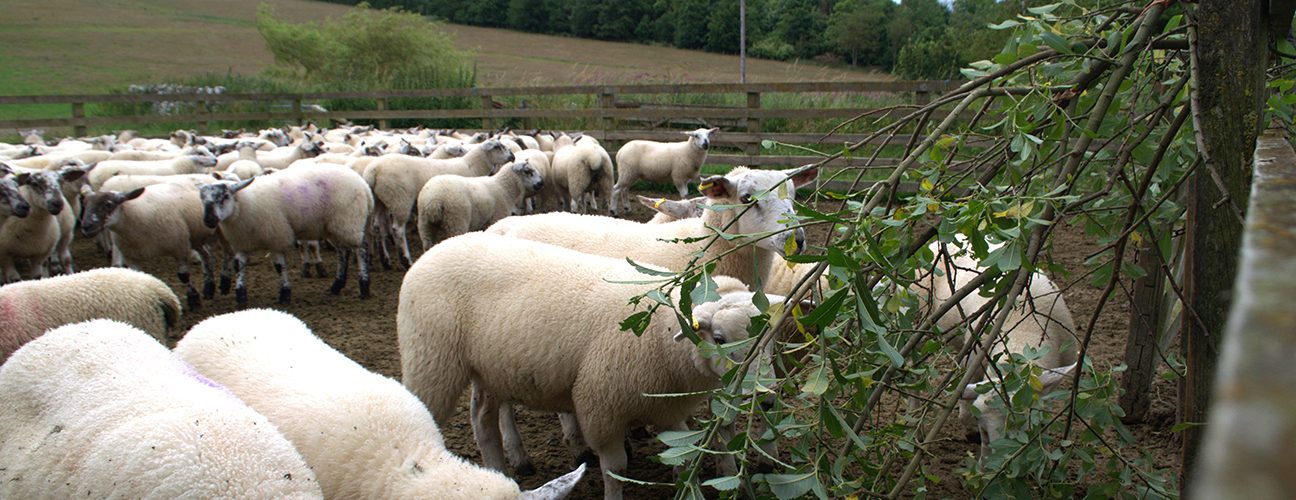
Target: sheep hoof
{"x": 364, "y": 289}
{"x": 240, "y": 297}
{"x": 209, "y": 290}
{"x": 306, "y": 270}
{"x": 386, "y": 264}
{"x": 524, "y": 469}
{"x": 192, "y": 298}
{"x": 404, "y": 263}
{"x": 225, "y": 285}
{"x": 285, "y": 295}
{"x": 336, "y": 289}
{"x": 278, "y": 268}
{"x": 319, "y": 269}
{"x": 973, "y": 436}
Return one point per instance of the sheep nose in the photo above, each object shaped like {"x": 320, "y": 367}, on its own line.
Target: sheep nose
{"x": 800, "y": 239}
{"x": 55, "y": 207}
{"x": 211, "y": 221}
{"x": 539, "y": 185}
{"x": 21, "y": 209}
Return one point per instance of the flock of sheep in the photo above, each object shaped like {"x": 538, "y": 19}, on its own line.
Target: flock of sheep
{"x": 253, "y": 404}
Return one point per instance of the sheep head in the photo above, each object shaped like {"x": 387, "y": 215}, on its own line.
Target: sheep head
{"x": 531, "y": 180}
{"x": 991, "y": 419}
{"x": 45, "y": 186}
{"x": 11, "y": 202}
{"x": 102, "y": 209}
{"x": 701, "y": 138}
{"x": 761, "y": 200}
{"x": 218, "y": 200}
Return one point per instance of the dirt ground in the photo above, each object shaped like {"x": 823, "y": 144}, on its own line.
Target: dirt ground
{"x": 365, "y": 330}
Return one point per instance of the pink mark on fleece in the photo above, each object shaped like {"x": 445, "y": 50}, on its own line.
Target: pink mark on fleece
{"x": 310, "y": 197}
{"x": 14, "y": 310}
{"x": 193, "y": 374}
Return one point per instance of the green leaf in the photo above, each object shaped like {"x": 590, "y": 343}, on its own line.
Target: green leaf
{"x": 706, "y": 290}
{"x": 681, "y": 438}
{"x": 896, "y": 359}
{"x": 767, "y": 144}
{"x": 637, "y": 322}
{"x": 726, "y": 483}
{"x": 648, "y": 270}
{"x": 1044, "y": 9}
{"x": 679, "y": 454}
{"x": 1056, "y": 42}
{"x": 818, "y": 382}
{"x": 791, "y": 485}
{"x": 1010, "y": 23}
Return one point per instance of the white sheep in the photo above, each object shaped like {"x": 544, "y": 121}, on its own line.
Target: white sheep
{"x": 12, "y": 204}
{"x": 767, "y": 194}
{"x": 186, "y": 164}
{"x": 675, "y": 162}
{"x": 278, "y": 158}
{"x": 559, "y": 348}
{"x": 151, "y": 222}
{"x": 397, "y": 179}
{"x": 581, "y": 166}
{"x": 275, "y": 212}
{"x": 363, "y": 434}
{"x": 450, "y": 205}
{"x": 30, "y": 308}
{"x": 246, "y": 166}
{"x": 783, "y": 275}
{"x": 36, "y": 236}
{"x": 100, "y": 410}
{"x": 1040, "y": 319}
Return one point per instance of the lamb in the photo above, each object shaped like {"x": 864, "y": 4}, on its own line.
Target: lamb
{"x": 397, "y": 179}
{"x": 36, "y": 236}
{"x": 324, "y": 203}
{"x": 768, "y": 192}
{"x": 672, "y": 210}
{"x": 674, "y": 162}
{"x": 364, "y": 435}
{"x": 450, "y": 205}
{"x": 12, "y": 204}
{"x": 279, "y": 158}
{"x": 1040, "y": 319}
{"x": 99, "y": 410}
{"x": 548, "y": 196}
{"x": 30, "y": 308}
{"x": 580, "y": 165}
{"x": 152, "y": 222}
{"x": 246, "y": 166}
{"x": 576, "y": 360}
{"x": 187, "y": 164}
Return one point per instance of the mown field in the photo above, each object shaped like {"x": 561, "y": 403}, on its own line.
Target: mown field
{"x": 65, "y": 46}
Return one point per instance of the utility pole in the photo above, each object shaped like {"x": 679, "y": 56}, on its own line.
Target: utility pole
{"x": 742, "y": 41}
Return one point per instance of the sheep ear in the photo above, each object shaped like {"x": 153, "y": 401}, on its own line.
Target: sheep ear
{"x": 132, "y": 194}
{"x": 23, "y": 178}
{"x": 70, "y": 174}
{"x": 556, "y": 489}
{"x": 86, "y": 190}
{"x": 5, "y": 169}
{"x": 1051, "y": 377}
{"x": 241, "y": 184}
{"x": 805, "y": 177}
{"x": 716, "y": 186}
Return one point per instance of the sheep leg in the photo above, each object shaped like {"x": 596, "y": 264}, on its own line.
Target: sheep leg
{"x": 306, "y": 260}
{"x": 381, "y": 235}
{"x": 285, "y": 288}
{"x": 240, "y": 281}
{"x": 209, "y": 271}
{"x": 485, "y": 423}
{"x": 362, "y": 265}
{"x": 191, "y": 293}
{"x": 575, "y": 440}
{"x": 612, "y": 459}
{"x": 227, "y": 271}
{"x": 340, "y": 279}
{"x": 513, "y": 447}
{"x": 402, "y": 244}
{"x": 319, "y": 260}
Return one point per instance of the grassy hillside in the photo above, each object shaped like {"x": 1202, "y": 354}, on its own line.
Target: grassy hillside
{"x": 90, "y": 46}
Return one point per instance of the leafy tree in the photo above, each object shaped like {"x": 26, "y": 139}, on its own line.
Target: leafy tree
{"x": 528, "y": 15}
{"x": 801, "y": 24}
{"x": 689, "y": 18}
{"x": 916, "y": 20}
{"x": 722, "y": 27}
{"x": 854, "y": 31}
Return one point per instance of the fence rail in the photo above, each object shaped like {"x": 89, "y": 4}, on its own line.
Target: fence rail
{"x": 620, "y": 112}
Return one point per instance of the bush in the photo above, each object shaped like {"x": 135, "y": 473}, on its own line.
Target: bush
{"x": 928, "y": 59}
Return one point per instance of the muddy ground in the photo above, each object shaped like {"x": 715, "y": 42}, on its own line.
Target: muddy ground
{"x": 365, "y": 330}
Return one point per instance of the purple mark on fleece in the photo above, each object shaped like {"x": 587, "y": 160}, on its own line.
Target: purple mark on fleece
{"x": 309, "y": 197}
{"x": 193, "y": 374}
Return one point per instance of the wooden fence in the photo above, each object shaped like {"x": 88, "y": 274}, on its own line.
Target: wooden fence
{"x": 1249, "y": 449}
{"x": 620, "y": 116}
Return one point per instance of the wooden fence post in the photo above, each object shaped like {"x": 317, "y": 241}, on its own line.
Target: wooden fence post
{"x": 922, "y": 96}
{"x": 753, "y": 124}
{"x": 297, "y": 112}
{"x": 1141, "y": 344}
{"x": 201, "y": 108}
{"x": 78, "y": 120}
{"x": 607, "y": 101}
{"x": 487, "y": 105}
{"x": 382, "y": 106}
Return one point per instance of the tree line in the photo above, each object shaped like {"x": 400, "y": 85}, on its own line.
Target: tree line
{"x": 913, "y": 38}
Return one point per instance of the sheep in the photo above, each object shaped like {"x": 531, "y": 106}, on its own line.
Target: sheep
{"x": 674, "y": 162}
{"x": 397, "y": 179}
{"x": 674, "y": 245}
{"x": 151, "y": 222}
{"x": 325, "y": 203}
{"x": 363, "y": 434}
{"x": 12, "y": 204}
{"x": 187, "y": 164}
{"x": 548, "y": 196}
{"x": 36, "y": 236}
{"x": 246, "y": 166}
{"x": 783, "y": 276}
{"x": 98, "y": 409}
{"x": 559, "y": 348}
{"x": 280, "y": 159}
{"x": 30, "y": 308}
{"x": 579, "y": 166}
{"x": 1039, "y": 319}
{"x": 57, "y": 159}
{"x": 450, "y": 205}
